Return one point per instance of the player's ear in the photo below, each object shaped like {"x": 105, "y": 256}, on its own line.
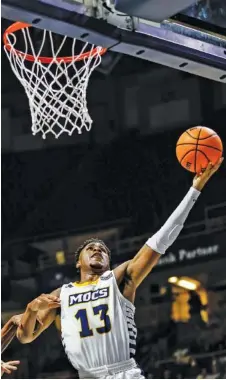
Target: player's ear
{"x": 78, "y": 264}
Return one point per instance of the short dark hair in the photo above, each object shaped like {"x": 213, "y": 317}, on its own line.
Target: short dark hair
{"x": 83, "y": 245}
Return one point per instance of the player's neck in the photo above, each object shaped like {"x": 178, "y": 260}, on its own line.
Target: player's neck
{"x": 88, "y": 277}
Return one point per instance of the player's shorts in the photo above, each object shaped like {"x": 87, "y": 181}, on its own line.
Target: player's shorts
{"x": 122, "y": 370}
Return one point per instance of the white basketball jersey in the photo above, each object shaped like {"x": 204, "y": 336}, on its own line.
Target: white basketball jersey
{"x": 97, "y": 323}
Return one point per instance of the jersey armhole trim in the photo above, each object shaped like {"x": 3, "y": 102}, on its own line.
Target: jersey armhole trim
{"x": 124, "y": 299}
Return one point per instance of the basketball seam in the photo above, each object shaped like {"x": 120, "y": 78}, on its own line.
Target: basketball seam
{"x": 201, "y": 138}
{"x": 208, "y": 146}
{"x": 195, "y": 138}
{"x": 204, "y": 138}
{"x": 192, "y": 150}
{"x": 204, "y": 154}
{"x": 196, "y": 149}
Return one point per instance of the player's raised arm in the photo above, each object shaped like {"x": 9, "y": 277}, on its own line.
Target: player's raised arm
{"x": 41, "y": 310}
{"x": 141, "y": 265}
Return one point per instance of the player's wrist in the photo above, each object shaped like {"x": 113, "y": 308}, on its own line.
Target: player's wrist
{"x": 199, "y": 184}
{"x": 197, "y": 188}
{"x": 32, "y": 306}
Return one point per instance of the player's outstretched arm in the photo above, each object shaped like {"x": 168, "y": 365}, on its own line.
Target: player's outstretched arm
{"x": 141, "y": 265}
{"x": 41, "y": 310}
{"x": 8, "y": 331}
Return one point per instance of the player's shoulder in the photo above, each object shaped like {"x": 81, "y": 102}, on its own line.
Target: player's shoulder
{"x": 67, "y": 286}
{"x": 70, "y": 285}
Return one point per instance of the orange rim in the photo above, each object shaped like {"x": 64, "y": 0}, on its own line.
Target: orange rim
{"x": 29, "y": 57}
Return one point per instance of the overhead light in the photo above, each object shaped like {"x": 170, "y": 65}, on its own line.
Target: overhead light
{"x": 187, "y": 284}
{"x": 173, "y": 280}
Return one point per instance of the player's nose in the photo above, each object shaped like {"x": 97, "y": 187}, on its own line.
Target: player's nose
{"x": 97, "y": 250}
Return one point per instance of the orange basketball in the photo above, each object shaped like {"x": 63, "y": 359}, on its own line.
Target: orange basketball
{"x": 197, "y": 147}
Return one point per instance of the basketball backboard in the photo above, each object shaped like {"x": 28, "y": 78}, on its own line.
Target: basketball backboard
{"x": 192, "y": 40}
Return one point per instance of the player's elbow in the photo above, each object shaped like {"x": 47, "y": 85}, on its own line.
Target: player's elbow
{"x": 23, "y": 337}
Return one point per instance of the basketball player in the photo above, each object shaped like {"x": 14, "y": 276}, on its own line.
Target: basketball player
{"x": 97, "y": 312}
{"x": 8, "y": 332}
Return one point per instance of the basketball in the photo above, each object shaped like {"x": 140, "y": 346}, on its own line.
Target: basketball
{"x": 197, "y": 147}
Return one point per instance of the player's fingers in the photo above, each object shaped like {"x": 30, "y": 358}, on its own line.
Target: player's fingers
{"x": 54, "y": 305}
{"x": 40, "y": 321}
{"x": 41, "y": 302}
{"x": 14, "y": 362}
{"x": 45, "y": 298}
{"x": 205, "y": 173}
{"x": 51, "y": 302}
{"x": 53, "y": 298}
{"x": 209, "y": 167}
{"x": 4, "y": 367}
{"x": 218, "y": 164}
{"x": 215, "y": 167}
{"x": 6, "y": 370}
{"x": 197, "y": 175}
{"x": 12, "y": 367}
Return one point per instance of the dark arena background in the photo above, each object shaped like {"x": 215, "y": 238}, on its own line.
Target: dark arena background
{"x": 120, "y": 182}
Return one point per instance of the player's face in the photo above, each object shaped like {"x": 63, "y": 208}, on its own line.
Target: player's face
{"x": 95, "y": 257}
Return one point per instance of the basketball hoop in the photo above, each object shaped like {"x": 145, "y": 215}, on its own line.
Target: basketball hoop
{"x": 56, "y": 86}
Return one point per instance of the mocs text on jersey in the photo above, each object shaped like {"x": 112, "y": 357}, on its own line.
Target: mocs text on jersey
{"x": 92, "y": 295}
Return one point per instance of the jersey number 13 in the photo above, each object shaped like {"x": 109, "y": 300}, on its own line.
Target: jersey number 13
{"x": 100, "y": 310}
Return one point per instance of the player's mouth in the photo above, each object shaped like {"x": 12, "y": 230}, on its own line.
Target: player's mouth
{"x": 97, "y": 255}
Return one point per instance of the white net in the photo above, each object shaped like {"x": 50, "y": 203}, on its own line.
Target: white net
{"x": 56, "y": 88}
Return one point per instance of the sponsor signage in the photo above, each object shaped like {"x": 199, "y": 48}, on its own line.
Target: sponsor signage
{"x": 195, "y": 249}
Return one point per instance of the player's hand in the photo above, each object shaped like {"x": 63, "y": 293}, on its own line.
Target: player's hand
{"x": 44, "y": 302}
{"x": 202, "y": 178}
{"x": 9, "y": 366}
{"x": 16, "y": 319}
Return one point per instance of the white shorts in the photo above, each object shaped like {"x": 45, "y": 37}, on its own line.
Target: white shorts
{"x": 122, "y": 370}
{"x": 134, "y": 373}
